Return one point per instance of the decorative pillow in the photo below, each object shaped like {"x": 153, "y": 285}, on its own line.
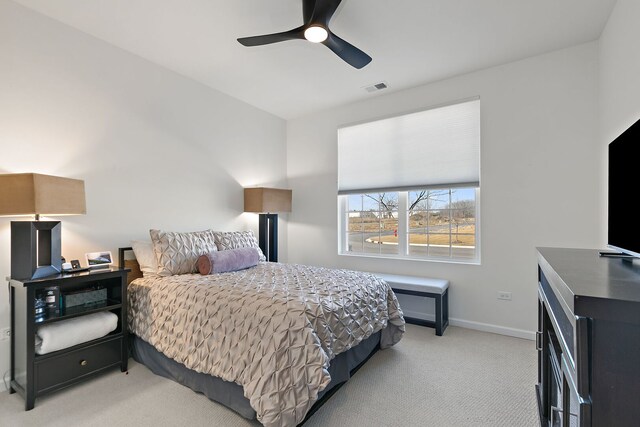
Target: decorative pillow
{"x": 226, "y": 240}
{"x": 229, "y": 260}
{"x": 177, "y": 253}
{"x": 145, "y": 256}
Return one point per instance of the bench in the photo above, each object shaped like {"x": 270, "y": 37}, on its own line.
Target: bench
{"x": 437, "y": 289}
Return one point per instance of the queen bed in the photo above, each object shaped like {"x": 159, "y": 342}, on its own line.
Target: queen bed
{"x": 270, "y": 341}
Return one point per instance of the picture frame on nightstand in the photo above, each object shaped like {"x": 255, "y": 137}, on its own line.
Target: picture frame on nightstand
{"x": 96, "y": 260}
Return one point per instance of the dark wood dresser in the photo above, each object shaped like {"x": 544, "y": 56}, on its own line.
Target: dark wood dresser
{"x": 588, "y": 339}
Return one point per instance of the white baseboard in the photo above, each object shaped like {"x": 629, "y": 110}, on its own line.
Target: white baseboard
{"x": 496, "y": 329}
{"x": 485, "y": 327}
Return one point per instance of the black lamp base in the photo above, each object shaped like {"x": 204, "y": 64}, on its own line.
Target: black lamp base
{"x": 268, "y": 236}
{"x": 36, "y": 248}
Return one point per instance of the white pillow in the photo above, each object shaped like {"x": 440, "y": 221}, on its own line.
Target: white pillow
{"x": 143, "y": 250}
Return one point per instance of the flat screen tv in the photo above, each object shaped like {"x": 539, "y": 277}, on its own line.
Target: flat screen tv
{"x": 624, "y": 169}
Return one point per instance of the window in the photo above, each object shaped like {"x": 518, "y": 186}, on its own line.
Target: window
{"x": 372, "y": 223}
{"x": 408, "y": 187}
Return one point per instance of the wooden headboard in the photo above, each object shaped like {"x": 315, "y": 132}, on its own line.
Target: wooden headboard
{"x": 126, "y": 259}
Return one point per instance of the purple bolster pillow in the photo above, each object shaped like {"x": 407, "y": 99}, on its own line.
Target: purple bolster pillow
{"x": 228, "y": 260}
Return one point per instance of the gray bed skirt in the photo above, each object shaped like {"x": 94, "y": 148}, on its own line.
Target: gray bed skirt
{"x": 231, "y": 394}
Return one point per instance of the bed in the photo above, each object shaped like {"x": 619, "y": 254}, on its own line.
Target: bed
{"x": 271, "y": 342}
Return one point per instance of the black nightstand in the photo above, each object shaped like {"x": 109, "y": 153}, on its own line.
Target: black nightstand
{"x": 33, "y": 375}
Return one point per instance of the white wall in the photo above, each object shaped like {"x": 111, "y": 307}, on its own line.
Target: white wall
{"x": 155, "y": 149}
{"x": 540, "y": 165}
{"x": 619, "y": 82}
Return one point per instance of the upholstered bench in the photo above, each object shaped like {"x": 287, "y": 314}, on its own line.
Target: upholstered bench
{"x": 437, "y": 289}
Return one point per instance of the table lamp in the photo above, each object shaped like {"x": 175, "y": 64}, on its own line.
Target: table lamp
{"x": 266, "y": 202}
{"x": 36, "y": 246}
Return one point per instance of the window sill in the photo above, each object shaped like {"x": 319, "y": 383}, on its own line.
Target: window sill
{"x": 409, "y": 258}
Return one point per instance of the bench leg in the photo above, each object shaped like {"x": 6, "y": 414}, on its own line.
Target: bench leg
{"x": 445, "y": 312}
{"x": 438, "y": 315}
{"x": 442, "y": 312}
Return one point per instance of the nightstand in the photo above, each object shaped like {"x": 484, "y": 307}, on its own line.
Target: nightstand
{"x": 33, "y": 375}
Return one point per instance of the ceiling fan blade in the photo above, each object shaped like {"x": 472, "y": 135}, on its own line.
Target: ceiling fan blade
{"x": 348, "y": 52}
{"x": 307, "y": 10}
{"x": 323, "y": 10}
{"x": 296, "y": 33}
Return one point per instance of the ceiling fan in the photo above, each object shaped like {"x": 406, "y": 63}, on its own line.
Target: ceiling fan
{"x": 316, "y": 15}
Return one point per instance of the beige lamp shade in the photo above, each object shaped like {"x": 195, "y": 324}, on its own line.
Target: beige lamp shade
{"x": 36, "y": 194}
{"x": 262, "y": 199}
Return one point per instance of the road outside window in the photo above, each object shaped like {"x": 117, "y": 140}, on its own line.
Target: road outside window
{"x": 437, "y": 224}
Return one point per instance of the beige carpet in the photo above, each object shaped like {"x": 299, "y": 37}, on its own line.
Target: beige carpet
{"x": 465, "y": 378}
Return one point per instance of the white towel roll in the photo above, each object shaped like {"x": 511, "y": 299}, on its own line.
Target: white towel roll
{"x": 67, "y": 333}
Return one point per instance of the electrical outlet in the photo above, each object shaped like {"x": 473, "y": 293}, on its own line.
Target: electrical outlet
{"x": 5, "y": 334}
{"x": 504, "y": 295}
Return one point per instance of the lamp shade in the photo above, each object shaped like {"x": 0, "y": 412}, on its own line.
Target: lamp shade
{"x": 36, "y": 194}
{"x": 262, "y": 199}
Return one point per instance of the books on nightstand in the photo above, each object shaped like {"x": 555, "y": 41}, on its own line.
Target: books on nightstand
{"x": 47, "y": 302}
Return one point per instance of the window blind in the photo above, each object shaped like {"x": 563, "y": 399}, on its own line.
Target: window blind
{"x": 439, "y": 147}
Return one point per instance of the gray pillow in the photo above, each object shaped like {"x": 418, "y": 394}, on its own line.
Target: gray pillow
{"x": 177, "y": 253}
{"x": 226, "y": 240}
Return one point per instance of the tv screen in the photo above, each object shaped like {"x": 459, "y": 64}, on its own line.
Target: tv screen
{"x": 624, "y": 170}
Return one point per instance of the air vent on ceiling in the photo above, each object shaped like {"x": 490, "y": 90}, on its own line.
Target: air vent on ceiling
{"x": 376, "y": 87}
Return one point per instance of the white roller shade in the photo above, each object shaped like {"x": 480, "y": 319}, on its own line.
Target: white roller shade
{"x": 439, "y": 147}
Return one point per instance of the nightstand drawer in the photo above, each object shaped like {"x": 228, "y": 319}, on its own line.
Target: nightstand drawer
{"x": 58, "y": 371}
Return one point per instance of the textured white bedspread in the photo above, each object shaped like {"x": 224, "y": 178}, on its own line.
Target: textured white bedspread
{"x": 272, "y": 328}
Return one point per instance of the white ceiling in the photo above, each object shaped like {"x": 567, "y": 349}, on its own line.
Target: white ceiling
{"x": 412, "y": 42}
